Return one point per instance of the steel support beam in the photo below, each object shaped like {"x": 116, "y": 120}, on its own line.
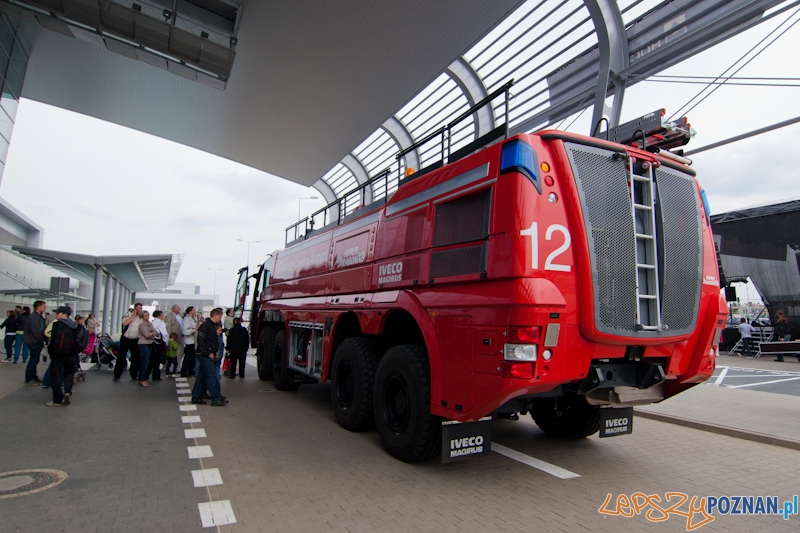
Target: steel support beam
{"x": 120, "y": 307}
{"x": 471, "y": 84}
{"x": 114, "y": 308}
{"x": 107, "y": 304}
{"x": 403, "y": 138}
{"x": 361, "y": 174}
{"x": 614, "y": 58}
{"x": 97, "y": 291}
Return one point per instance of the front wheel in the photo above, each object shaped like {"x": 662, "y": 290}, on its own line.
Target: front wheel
{"x": 264, "y": 354}
{"x": 574, "y": 418}
{"x": 353, "y": 383}
{"x": 403, "y": 416}
{"x": 284, "y": 376}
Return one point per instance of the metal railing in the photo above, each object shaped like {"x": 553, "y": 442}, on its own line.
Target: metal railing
{"x": 390, "y": 179}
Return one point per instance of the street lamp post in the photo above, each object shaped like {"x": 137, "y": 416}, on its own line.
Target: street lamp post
{"x": 215, "y": 283}
{"x": 299, "y": 202}
{"x": 248, "y": 249}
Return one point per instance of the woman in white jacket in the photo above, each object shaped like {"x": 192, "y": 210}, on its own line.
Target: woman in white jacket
{"x": 189, "y": 332}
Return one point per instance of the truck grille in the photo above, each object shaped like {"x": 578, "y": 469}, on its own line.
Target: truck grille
{"x": 681, "y": 247}
{"x": 602, "y": 179}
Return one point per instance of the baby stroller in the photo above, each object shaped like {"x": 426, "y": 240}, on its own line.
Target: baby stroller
{"x": 107, "y": 350}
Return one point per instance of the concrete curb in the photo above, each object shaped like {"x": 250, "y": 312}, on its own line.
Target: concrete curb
{"x": 722, "y": 430}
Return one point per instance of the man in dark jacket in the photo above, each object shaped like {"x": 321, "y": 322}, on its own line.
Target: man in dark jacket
{"x": 33, "y": 336}
{"x": 63, "y": 356}
{"x": 206, "y": 347}
{"x": 238, "y": 343}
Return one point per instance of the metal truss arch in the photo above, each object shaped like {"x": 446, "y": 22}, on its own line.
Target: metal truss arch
{"x": 564, "y": 57}
{"x": 329, "y": 194}
{"x": 471, "y": 84}
{"x": 612, "y": 41}
{"x": 361, "y": 174}
{"x": 398, "y": 131}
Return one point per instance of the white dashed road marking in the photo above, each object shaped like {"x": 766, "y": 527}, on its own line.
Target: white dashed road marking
{"x": 199, "y": 452}
{"x": 216, "y": 513}
{"x": 535, "y": 463}
{"x": 212, "y": 514}
{"x": 207, "y": 477}
{"x": 199, "y": 433}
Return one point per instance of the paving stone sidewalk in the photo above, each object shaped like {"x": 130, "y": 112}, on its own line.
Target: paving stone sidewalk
{"x": 286, "y": 466}
{"x": 753, "y": 411}
{"x": 122, "y": 446}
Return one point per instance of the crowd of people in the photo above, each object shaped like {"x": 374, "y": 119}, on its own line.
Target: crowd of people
{"x": 183, "y": 344}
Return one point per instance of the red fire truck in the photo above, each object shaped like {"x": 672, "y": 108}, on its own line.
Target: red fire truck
{"x": 551, "y": 274}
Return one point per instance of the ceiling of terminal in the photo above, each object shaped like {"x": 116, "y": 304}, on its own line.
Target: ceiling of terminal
{"x": 310, "y": 80}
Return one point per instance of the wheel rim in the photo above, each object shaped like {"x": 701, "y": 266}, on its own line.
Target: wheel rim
{"x": 396, "y": 404}
{"x": 345, "y": 385}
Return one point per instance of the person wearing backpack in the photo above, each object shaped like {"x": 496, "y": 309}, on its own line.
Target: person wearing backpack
{"x": 66, "y": 342}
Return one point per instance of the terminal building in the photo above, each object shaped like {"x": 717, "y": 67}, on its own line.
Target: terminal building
{"x": 184, "y": 294}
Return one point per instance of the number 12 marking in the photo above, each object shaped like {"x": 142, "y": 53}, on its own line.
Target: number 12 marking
{"x": 533, "y": 233}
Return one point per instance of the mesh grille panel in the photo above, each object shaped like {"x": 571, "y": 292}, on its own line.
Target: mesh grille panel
{"x": 603, "y": 184}
{"x": 462, "y": 220}
{"x": 458, "y": 261}
{"x": 415, "y": 225}
{"x": 679, "y": 214}
{"x": 411, "y": 268}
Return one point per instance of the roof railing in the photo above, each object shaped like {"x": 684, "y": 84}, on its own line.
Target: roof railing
{"x": 354, "y": 202}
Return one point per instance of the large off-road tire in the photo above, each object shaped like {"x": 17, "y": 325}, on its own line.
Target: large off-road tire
{"x": 264, "y": 350}
{"x": 353, "y": 383}
{"x": 578, "y": 419}
{"x": 283, "y": 375}
{"x": 403, "y": 416}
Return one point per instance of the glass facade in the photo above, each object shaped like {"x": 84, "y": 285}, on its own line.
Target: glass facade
{"x": 15, "y": 48}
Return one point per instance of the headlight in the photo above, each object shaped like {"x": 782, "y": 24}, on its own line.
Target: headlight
{"x": 520, "y": 352}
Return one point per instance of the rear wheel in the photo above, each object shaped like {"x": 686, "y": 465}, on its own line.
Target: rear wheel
{"x": 264, "y": 352}
{"x": 574, "y": 418}
{"x": 406, "y": 426}
{"x": 353, "y": 383}
{"x": 283, "y": 375}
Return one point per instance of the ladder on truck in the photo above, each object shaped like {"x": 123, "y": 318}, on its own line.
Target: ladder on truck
{"x": 643, "y": 211}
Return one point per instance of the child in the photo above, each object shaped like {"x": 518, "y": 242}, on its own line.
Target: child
{"x": 172, "y": 355}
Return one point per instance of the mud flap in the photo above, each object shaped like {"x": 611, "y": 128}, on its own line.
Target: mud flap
{"x": 614, "y": 422}
{"x": 467, "y": 439}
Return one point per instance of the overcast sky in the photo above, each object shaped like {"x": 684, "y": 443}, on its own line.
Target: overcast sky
{"x": 101, "y": 189}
